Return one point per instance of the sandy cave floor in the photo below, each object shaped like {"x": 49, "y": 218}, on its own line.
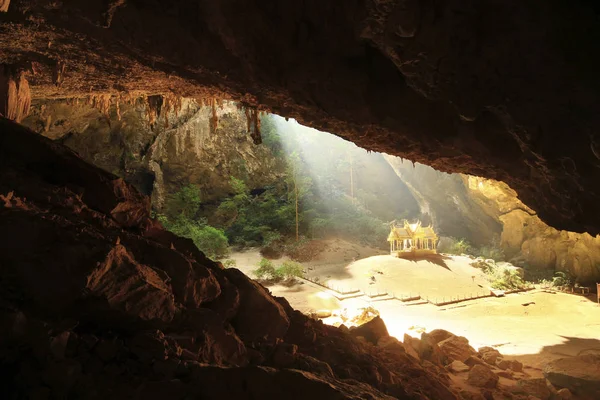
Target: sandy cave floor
{"x": 551, "y": 326}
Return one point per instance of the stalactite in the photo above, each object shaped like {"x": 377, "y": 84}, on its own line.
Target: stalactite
{"x": 15, "y": 95}
{"x": 154, "y": 107}
{"x": 253, "y": 124}
{"x": 59, "y": 73}
{"x": 4, "y": 5}
{"x": 214, "y": 119}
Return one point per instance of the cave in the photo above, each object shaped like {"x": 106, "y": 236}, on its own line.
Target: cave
{"x": 478, "y": 118}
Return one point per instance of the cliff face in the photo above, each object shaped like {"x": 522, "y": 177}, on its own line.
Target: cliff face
{"x": 161, "y": 150}
{"x": 529, "y": 241}
{"x": 481, "y": 210}
{"x": 445, "y": 201}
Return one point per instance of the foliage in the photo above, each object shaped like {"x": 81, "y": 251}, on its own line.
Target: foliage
{"x": 229, "y": 263}
{"x": 185, "y": 202}
{"x": 510, "y": 279}
{"x": 287, "y": 270}
{"x": 562, "y": 279}
{"x": 179, "y": 217}
{"x": 290, "y": 270}
{"x": 266, "y": 270}
{"x": 210, "y": 240}
{"x": 456, "y": 246}
{"x": 492, "y": 250}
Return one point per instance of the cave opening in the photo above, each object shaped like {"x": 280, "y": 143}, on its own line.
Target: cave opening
{"x": 150, "y": 249}
{"x": 308, "y": 215}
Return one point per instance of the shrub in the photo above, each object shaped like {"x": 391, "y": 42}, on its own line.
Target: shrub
{"x": 562, "y": 279}
{"x": 210, "y": 240}
{"x": 265, "y": 270}
{"x": 290, "y": 270}
{"x": 229, "y": 263}
{"x": 455, "y": 246}
{"x": 510, "y": 280}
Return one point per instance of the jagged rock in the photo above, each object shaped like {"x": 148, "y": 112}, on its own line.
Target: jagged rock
{"x": 149, "y": 346}
{"x": 268, "y": 383}
{"x": 438, "y": 335}
{"x": 581, "y": 375}
{"x": 472, "y": 361}
{"x": 467, "y": 395}
{"x": 429, "y": 350}
{"x": 458, "y": 366}
{"x": 564, "y": 394}
{"x": 516, "y": 366}
{"x": 259, "y": 316}
{"x": 391, "y": 344}
{"x": 502, "y": 363}
{"x": 58, "y": 345}
{"x": 216, "y": 343}
{"x": 489, "y": 355}
{"x": 372, "y": 331}
{"x": 537, "y": 387}
{"x": 482, "y": 376}
{"x": 505, "y": 374}
{"x": 457, "y": 348}
{"x": 411, "y": 345}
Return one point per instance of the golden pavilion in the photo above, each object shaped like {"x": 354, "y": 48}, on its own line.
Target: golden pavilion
{"x": 412, "y": 239}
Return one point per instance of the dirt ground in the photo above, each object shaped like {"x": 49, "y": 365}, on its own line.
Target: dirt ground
{"x": 533, "y": 327}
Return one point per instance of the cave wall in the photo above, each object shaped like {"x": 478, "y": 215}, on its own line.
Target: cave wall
{"x": 505, "y": 90}
{"x": 190, "y": 144}
{"x": 484, "y": 210}
{"x": 531, "y": 243}
{"x": 446, "y": 203}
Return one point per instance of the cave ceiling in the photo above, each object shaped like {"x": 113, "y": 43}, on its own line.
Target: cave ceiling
{"x": 502, "y": 89}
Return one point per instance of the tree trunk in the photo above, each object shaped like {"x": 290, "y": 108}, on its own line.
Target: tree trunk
{"x": 296, "y": 195}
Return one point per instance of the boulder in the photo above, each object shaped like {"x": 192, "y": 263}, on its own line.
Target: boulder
{"x": 411, "y": 345}
{"x": 581, "y": 375}
{"x": 472, "y": 361}
{"x": 372, "y": 331}
{"x": 215, "y": 343}
{"x": 482, "y": 376}
{"x": 564, "y": 394}
{"x": 440, "y": 334}
{"x": 537, "y": 387}
{"x": 268, "y": 383}
{"x": 391, "y": 344}
{"x": 456, "y": 348}
{"x": 259, "y": 315}
{"x": 458, "y": 366}
{"x": 489, "y": 355}
{"x": 429, "y": 350}
{"x": 148, "y": 346}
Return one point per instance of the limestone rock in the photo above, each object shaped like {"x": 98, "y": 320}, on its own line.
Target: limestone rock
{"x": 564, "y": 394}
{"x": 259, "y": 316}
{"x": 489, "y": 355}
{"x": 457, "y": 348}
{"x": 439, "y": 335}
{"x": 429, "y": 350}
{"x": 268, "y": 383}
{"x": 482, "y": 376}
{"x": 372, "y": 331}
{"x": 581, "y": 375}
{"x": 458, "y": 366}
{"x": 537, "y": 387}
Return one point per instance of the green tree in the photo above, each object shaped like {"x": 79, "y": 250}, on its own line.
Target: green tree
{"x": 298, "y": 186}
{"x": 185, "y": 202}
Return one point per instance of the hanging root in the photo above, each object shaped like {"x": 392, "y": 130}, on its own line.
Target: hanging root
{"x": 15, "y": 96}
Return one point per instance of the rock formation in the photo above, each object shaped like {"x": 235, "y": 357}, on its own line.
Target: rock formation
{"x": 482, "y": 210}
{"x": 163, "y": 150}
{"x": 98, "y": 301}
{"x": 504, "y": 91}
